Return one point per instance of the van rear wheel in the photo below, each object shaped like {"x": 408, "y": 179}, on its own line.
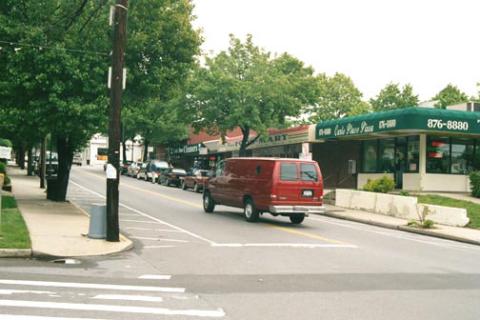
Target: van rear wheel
{"x": 298, "y": 218}
{"x": 250, "y": 212}
{"x": 208, "y": 203}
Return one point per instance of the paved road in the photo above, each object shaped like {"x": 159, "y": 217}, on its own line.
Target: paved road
{"x": 324, "y": 268}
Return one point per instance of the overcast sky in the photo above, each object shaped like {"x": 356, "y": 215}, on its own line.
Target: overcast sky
{"x": 426, "y": 43}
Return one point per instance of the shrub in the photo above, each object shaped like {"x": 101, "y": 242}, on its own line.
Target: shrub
{"x": 6, "y": 182}
{"x": 5, "y": 143}
{"x": 475, "y": 183}
{"x": 2, "y": 168}
{"x": 383, "y": 185}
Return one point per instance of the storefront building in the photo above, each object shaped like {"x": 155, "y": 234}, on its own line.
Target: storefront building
{"x": 422, "y": 149}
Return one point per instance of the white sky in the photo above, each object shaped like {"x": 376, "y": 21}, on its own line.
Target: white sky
{"x": 426, "y": 43}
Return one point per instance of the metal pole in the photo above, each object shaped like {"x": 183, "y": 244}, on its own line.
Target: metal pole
{"x": 118, "y": 59}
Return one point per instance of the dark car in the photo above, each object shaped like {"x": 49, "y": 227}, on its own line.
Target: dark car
{"x": 51, "y": 164}
{"x": 195, "y": 179}
{"x": 172, "y": 176}
{"x": 124, "y": 167}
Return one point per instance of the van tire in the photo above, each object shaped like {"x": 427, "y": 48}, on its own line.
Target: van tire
{"x": 249, "y": 211}
{"x": 208, "y": 202}
{"x": 297, "y": 218}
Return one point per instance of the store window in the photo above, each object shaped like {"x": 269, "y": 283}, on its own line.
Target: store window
{"x": 369, "y": 156}
{"x": 462, "y": 156}
{"x": 438, "y": 154}
{"x": 412, "y": 154}
{"x": 387, "y": 155}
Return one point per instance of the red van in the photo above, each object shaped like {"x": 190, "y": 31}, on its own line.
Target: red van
{"x": 287, "y": 187}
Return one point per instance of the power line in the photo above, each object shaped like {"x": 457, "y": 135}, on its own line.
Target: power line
{"x": 41, "y": 47}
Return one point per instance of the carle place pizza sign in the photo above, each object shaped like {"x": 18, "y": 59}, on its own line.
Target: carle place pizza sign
{"x": 414, "y": 119}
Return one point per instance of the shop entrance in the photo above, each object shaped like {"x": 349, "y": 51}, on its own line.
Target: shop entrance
{"x": 400, "y": 161}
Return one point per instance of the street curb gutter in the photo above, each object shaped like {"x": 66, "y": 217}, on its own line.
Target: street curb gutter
{"x": 403, "y": 228}
{"x": 15, "y": 253}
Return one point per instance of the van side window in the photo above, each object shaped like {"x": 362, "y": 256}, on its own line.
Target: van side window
{"x": 258, "y": 170}
{"x": 308, "y": 172}
{"x": 220, "y": 169}
{"x": 288, "y": 171}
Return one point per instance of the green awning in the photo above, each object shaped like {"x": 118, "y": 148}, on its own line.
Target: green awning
{"x": 409, "y": 119}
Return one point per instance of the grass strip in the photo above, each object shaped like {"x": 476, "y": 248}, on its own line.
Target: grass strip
{"x": 473, "y": 209}
{"x": 13, "y": 231}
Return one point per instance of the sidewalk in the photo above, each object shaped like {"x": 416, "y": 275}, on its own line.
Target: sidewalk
{"x": 57, "y": 228}
{"x": 466, "y": 235}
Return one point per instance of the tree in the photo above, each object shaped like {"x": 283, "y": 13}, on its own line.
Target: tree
{"x": 161, "y": 51}
{"x": 449, "y": 95}
{"x": 391, "y": 97}
{"x": 244, "y": 87}
{"x": 338, "y": 98}
{"x": 57, "y": 77}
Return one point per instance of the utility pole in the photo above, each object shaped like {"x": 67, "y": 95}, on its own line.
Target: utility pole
{"x": 118, "y": 59}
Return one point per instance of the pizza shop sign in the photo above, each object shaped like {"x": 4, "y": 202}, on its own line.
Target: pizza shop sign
{"x": 350, "y": 128}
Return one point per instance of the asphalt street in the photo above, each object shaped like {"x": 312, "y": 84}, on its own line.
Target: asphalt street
{"x": 231, "y": 269}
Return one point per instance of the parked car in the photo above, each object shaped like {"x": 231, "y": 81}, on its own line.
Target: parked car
{"x": 124, "y": 166}
{"x": 152, "y": 170}
{"x": 133, "y": 168}
{"x": 142, "y": 173}
{"x": 77, "y": 159}
{"x": 194, "y": 179}
{"x": 287, "y": 187}
{"x": 51, "y": 164}
{"x": 172, "y": 176}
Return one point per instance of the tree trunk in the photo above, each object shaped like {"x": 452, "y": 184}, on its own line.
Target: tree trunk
{"x": 43, "y": 164}
{"x": 145, "y": 151}
{"x": 21, "y": 156}
{"x": 57, "y": 188}
{"x": 30, "y": 162}
{"x": 243, "y": 146}
{"x": 124, "y": 151}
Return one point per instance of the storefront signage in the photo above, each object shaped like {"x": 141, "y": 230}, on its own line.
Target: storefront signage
{"x": 414, "y": 119}
{"x": 191, "y": 148}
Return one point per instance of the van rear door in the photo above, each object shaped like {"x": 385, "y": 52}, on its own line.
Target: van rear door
{"x": 299, "y": 183}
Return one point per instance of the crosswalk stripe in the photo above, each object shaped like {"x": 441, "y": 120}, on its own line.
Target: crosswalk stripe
{"x": 90, "y": 286}
{"x": 127, "y": 297}
{"x": 218, "y": 313}
{"x": 24, "y": 317}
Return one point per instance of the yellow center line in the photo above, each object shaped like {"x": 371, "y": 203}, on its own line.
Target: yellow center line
{"x": 188, "y": 203}
{"x": 308, "y": 235}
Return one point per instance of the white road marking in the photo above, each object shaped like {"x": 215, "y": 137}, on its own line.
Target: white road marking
{"x": 218, "y": 313}
{"x": 151, "y": 217}
{"x": 158, "y": 239}
{"x": 24, "y": 317}
{"x": 155, "y": 277}
{"x": 89, "y": 286}
{"x": 285, "y": 245}
{"x": 395, "y": 234}
{"x": 136, "y": 221}
{"x": 12, "y": 291}
{"x": 127, "y": 297}
{"x": 141, "y": 229}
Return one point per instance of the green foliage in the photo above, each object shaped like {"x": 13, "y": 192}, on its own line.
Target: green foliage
{"x": 475, "y": 183}
{"x": 6, "y": 181}
{"x": 426, "y": 224}
{"x": 382, "y": 185}
{"x": 449, "y": 95}
{"x": 245, "y": 87}
{"x": 8, "y": 202}
{"x": 338, "y": 97}
{"x": 391, "y": 97}
{"x": 3, "y": 168}
{"x": 5, "y": 142}
{"x": 404, "y": 193}
{"x": 14, "y": 233}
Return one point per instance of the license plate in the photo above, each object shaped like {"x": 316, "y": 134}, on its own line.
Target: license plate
{"x": 307, "y": 193}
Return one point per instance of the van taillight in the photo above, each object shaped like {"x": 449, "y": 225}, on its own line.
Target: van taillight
{"x": 273, "y": 196}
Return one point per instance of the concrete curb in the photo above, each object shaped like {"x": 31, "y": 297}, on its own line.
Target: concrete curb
{"x": 15, "y": 253}
{"x": 425, "y": 232}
